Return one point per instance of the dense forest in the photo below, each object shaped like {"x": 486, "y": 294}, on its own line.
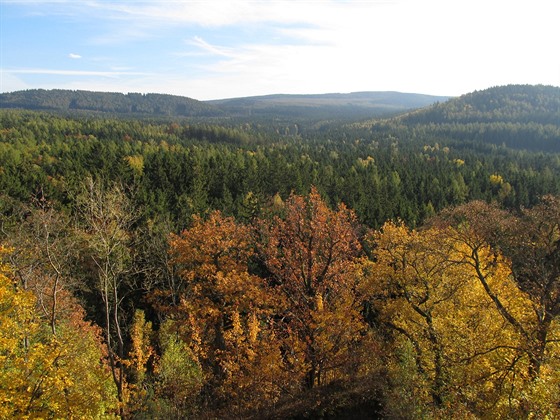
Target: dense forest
{"x": 406, "y": 267}
{"x": 107, "y": 103}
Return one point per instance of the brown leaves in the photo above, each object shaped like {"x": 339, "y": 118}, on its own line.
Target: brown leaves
{"x": 312, "y": 249}
{"x": 212, "y": 245}
{"x": 224, "y": 310}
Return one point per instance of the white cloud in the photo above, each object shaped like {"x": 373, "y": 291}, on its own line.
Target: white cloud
{"x": 74, "y": 56}
{"x": 214, "y": 13}
{"x": 210, "y": 49}
{"x": 57, "y": 72}
{"x": 434, "y": 47}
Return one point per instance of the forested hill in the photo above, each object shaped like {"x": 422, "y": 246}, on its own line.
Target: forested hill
{"x": 296, "y": 108}
{"x": 131, "y": 104}
{"x": 355, "y": 105}
{"x": 516, "y": 116}
{"x": 513, "y": 103}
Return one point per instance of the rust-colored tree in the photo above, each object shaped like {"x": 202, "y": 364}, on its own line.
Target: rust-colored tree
{"x": 224, "y": 311}
{"x": 312, "y": 255}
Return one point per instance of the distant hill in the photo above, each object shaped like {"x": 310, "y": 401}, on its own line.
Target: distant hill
{"x": 515, "y": 116}
{"x": 133, "y": 104}
{"x": 356, "y": 105}
{"x": 350, "y": 106}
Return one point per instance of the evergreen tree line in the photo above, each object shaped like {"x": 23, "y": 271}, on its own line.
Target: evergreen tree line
{"x": 178, "y": 170}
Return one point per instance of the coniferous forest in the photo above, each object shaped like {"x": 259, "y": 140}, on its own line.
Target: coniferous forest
{"x": 163, "y": 257}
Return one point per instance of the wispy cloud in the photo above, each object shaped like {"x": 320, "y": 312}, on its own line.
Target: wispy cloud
{"x": 213, "y": 13}
{"x": 201, "y": 44}
{"x": 74, "y": 56}
{"x": 208, "y": 14}
{"x": 58, "y": 72}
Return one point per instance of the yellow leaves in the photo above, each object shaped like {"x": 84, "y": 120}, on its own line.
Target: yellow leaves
{"x": 4, "y": 252}
{"x": 319, "y": 302}
{"x": 236, "y": 329}
{"x": 141, "y": 350}
{"x": 496, "y": 179}
{"x": 253, "y": 327}
{"x": 17, "y": 314}
{"x": 136, "y": 163}
{"x": 252, "y": 364}
{"x": 453, "y": 298}
{"x": 458, "y": 162}
{"x": 42, "y": 375}
{"x": 364, "y": 163}
{"x": 332, "y": 332}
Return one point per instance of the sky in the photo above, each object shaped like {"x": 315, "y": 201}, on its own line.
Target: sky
{"x": 214, "y": 49}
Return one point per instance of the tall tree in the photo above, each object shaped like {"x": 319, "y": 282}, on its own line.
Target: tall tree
{"x": 466, "y": 322}
{"x": 415, "y": 285}
{"x": 224, "y": 311}
{"x": 312, "y": 254}
{"x": 522, "y": 287}
{"x": 534, "y": 249}
{"x": 106, "y": 215}
{"x": 44, "y": 255}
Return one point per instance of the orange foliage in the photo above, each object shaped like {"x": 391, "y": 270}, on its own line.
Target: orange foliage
{"x": 224, "y": 309}
{"x": 312, "y": 254}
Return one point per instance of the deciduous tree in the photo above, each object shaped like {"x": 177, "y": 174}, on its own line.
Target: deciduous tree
{"x": 43, "y": 375}
{"x": 530, "y": 243}
{"x": 312, "y": 255}
{"x": 106, "y": 216}
{"x": 224, "y": 310}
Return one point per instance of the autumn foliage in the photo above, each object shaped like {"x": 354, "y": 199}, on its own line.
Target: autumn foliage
{"x": 225, "y": 311}
{"x": 301, "y": 311}
{"x": 312, "y": 257}
{"x": 44, "y": 375}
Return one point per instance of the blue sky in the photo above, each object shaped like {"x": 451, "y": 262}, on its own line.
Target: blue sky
{"x": 210, "y": 49}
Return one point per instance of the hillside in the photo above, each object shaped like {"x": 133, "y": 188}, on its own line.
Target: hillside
{"x": 516, "y": 116}
{"x": 512, "y": 103}
{"x": 132, "y": 104}
{"x": 356, "y": 105}
{"x": 351, "y": 106}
